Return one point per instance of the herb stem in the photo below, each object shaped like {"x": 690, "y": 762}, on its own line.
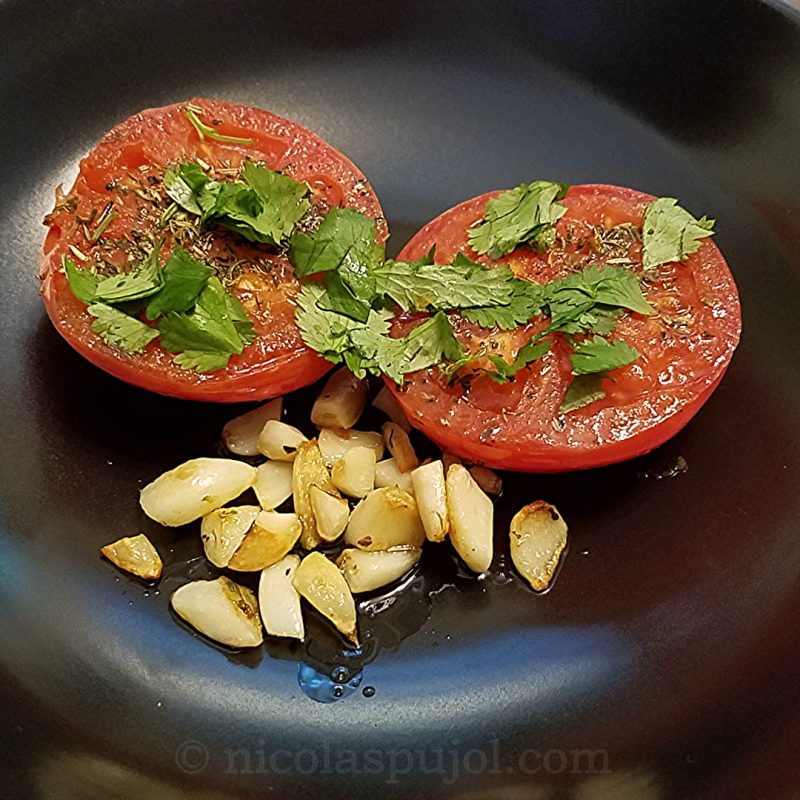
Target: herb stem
{"x": 207, "y": 131}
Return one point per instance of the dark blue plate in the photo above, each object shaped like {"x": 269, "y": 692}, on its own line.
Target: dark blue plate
{"x": 663, "y": 664}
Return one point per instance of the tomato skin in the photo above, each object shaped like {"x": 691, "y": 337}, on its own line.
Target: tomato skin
{"x": 136, "y": 152}
{"x": 518, "y": 426}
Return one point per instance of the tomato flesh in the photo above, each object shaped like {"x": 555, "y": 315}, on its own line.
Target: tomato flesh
{"x": 685, "y": 348}
{"x": 126, "y": 168}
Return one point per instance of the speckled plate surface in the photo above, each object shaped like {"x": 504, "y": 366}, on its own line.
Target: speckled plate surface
{"x": 663, "y": 664}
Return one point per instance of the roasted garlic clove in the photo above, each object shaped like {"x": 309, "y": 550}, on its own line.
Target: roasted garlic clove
{"x": 319, "y": 581}
{"x": 538, "y": 538}
{"x": 194, "y": 489}
{"x": 135, "y": 554}
{"x": 221, "y": 610}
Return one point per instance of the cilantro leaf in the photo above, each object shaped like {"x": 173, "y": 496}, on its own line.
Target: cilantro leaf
{"x": 185, "y": 186}
{"x": 598, "y": 319}
{"x": 120, "y": 330}
{"x": 533, "y": 350}
{"x": 583, "y": 390}
{"x": 82, "y": 282}
{"x": 142, "y": 281}
{"x": 243, "y": 324}
{"x": 341, "y": 299}
{"x": 670, "y": 233}
{"x": 265, "y": 208}
{"x": 601, "y": 355}
{"x": 210, "y": 327}
{"x": 345, "y": 238}
{"x": 282, "y": 201}
{"x": 427, "y": 344}
{"x": 322, "y": 330}
{"x": 338, "y": 337}
{"x": 526, "y": 214}
{"x": 527, "y": 299}
{"x": 577, "y": 294}
{"x": 418, "y": 287}
{"x": 202, "y": 361}
{"x": 184, "y": 280}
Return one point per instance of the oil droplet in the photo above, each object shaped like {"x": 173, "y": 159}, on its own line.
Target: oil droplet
{"x": 368, "y": 691}
{"x": 322, "y": 688}
{"x": 340, "y": 674}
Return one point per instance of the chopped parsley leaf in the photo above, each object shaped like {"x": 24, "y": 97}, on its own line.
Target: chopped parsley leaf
{"x": 120, "y": 330}
{"x": 524, "y": 215}
{"x": 670, "y": 233}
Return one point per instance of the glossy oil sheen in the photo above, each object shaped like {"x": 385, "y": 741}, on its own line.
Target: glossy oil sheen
{"x": 667, "y": 646}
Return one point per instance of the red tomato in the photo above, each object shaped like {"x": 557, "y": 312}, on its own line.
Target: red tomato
{"x": 126, "y": 170}
{"x": 685, "y": 348}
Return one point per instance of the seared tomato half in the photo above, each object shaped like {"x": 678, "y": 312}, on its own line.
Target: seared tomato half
{"x": 685, "y": 346}
{"x": 124, "y": 174}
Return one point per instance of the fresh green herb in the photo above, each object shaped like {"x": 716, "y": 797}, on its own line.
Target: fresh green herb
{"x": 120, "y": 330}
{"x": 345, "y": 238}
{"x": 577, "y": 294}
{"x": 601, "y": 355}
{"x": 183, "y": 281}
{"x": 426, "y": 345}
{"x": 209, "y": 328}
{"x": 503, "y": 372}
{"x": 186, "y": 184}
{"x": 533, "y": 350}
{"x": 345, "y": 250}
{"x": 206, "y": 131}
{"x": 202, "y": 361}
{"x": 82, "y": 282}
{"x": 142, "y": 281}
{"x": 583, "y": 390}
{"x": 462, "y": 284}
{"x": 103, "y": 223}
{"x": 264, "y": 208}
{"x": 527, "y": 299}
{"x": 524, "y": 215}
{"x": 598, "y": 319}
{"x": 339, "y": 337}
{"x": 670, "y": 233}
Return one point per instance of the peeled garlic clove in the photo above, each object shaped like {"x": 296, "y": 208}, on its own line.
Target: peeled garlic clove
{"x": 487, "y": 479}
{"x": 319, "y": 581}
{"x": 331, "y": 513}
{"x": 279, "y": 441}
{"x": 309, "y": 470}
{"x": 387, "y": 474}
{"x": 135, "y": 554}
{"x": 354, "y": 473}
{"x": 279, "y": 601}
{"x": 385, "y": 518}
{"x": 221, "y": 610}
{"x": 471, "y": 519}
{"x": 270, "y": 538}
{"x": 385, "y": 401}
{"x": 365, "y": 571}
{"x": 273, "y": 484}
{"x": 431, "y": 495}
{"x": 538, "y": 539}
{"x": 241, "y": 434}
{"x": 223, "y": 530}
{"x": 399, "y": 445}
{"x": 334, "y": 444}
{"x": 194, "y": 489}
{"x": 341, "y": 401}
